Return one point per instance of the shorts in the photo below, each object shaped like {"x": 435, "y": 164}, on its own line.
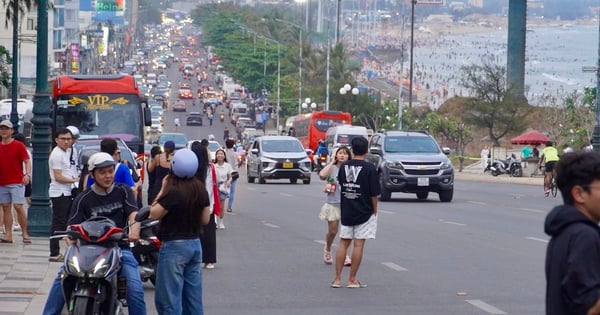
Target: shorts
{"x": 223, "y": 196}
{"x": 12, "y": 194}
{"x": 363, "y": 231}
{"x": 330, "y": 212}
{"x": 550, "y": 166}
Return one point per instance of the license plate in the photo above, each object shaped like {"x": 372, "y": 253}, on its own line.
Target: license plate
{"x": 288, "y": 165}
{"x": 423, "y": 181}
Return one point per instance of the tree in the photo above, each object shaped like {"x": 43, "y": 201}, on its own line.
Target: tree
{"x": 493, "y": 105}
{"x": 456, "y": 132}
{"x": 5, "y": 60}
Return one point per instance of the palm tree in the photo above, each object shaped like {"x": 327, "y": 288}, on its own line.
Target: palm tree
{"x": 14, "y": 9}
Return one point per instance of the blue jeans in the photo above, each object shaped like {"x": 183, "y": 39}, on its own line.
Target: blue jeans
{"x": 135, "y": 291}
{"x": 231, "y": 194}
{"x": 179, "y": 278}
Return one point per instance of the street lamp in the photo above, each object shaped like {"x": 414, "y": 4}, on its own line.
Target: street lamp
{"x": 348, "y": 88}
{"x": 307, "y": 103}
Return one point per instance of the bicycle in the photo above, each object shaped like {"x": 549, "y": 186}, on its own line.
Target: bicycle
{"x": 552, "y": 189}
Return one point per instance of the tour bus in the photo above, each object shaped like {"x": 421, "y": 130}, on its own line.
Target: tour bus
{"x": 342, "y": 135}
{"x": 310, "y": 128}
{"x": 101, "y": 106}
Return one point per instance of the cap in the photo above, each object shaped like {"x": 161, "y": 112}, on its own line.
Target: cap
{"x": 169, "y": 145}
{"x": 99, "y": 160}
{"x": 6, "y": 123}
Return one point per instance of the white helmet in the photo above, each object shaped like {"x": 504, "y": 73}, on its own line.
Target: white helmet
{"x": 99, "y": 160}
{"x": 74, "y": 131}
{"x": 211, "y": 137}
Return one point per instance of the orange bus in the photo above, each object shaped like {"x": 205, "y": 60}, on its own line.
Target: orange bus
{"x": 101, "y": 106}
{"x": 312, "y": 127}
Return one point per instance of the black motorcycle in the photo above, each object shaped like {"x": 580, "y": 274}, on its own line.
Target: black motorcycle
{"x": 146, "y": 249}
{"x": 90, "y": 283}
{"x": 511, "y": 166}
{"x": 320, "y": 162}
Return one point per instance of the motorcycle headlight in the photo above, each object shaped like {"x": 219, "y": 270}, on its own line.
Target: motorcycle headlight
{"x": 394, "y": 164}
{"x": 72, "y": 267}
{"x": 100, "y": 269}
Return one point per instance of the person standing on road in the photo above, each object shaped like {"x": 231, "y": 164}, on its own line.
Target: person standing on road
{"x": 182, "y": 206}
{"x": 223, "y": 181}
{"x": 176, "y": 123}
{"x": 63, "y": 177}
{"x": 485, "y": 153}
{"x": 359, "y": 190}
{"x": 232, "y": 157}
{"x": 161, "y": 166}
{"x": 330, "y": 211}
{"x": 572, "y": 268}
{"x": 15, "y": 171}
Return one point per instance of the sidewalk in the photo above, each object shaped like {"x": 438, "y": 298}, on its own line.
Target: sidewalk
{"x": 474, "y": 172}
{"x": 25, "y": 276}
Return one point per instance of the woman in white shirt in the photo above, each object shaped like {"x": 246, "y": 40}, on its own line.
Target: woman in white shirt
{"x": 224, "y": 170}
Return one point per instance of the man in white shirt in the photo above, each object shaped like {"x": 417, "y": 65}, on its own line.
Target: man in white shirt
{"x": 63, "y": 176}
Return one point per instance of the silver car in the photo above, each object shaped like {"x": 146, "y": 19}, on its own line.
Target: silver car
{"x": 278, "y": 157}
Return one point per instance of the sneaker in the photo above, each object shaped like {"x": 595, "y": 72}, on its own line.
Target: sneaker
{"x": 209, "y": 266}
{"x": 348, "y": 261}
{"x": 221, "y": 225}
{"x": 327, "y": 257}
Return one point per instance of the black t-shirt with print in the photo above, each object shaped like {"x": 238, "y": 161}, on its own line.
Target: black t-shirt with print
{"x": 116, "y": 205}
{"x": 179, "y": 223}
{"x": 359, "y": 182}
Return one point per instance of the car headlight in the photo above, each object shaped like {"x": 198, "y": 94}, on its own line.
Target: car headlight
{"x": 446, "y": 165}
{"x": 394, "y": 164}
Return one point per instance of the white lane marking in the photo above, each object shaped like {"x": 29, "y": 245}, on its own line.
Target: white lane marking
{"x": 320, "y": 242}
{"x": 394, "y": 266}
{"x": 272, "y": 225}
{"x": 532, "y": 210}
{"x": 485, "y": 307}
{"x": 454, "y": 223}
{"x": 537, "y": 239}
{"x": 385, "y": 211}
{"x": 477, "y": 202}
{"x": 287, "y": 195}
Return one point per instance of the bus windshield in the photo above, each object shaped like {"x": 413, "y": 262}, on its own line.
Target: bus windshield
{"x": 116, "y": 116}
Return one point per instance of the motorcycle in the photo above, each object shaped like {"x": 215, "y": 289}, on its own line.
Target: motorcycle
{"x": 91, "y": 284}
{"x": 321, "y": 163}
{"x": 222, "y": 117}
{"x": 146, "y": 249}
{"x": 510, "y": 166}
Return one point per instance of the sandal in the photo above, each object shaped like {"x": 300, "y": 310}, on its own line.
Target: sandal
{"x": 59, "y": 258}
{"x": 356, "y": 285}
{"x": 327, "y": 257}
{"x": 348, "y": 261}
{"x": 3, "y": 241}
{"x": 26, "y": 240}
{"x": 229, "y": 210}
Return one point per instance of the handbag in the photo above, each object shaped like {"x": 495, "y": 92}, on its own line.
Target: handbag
{"x": 223, "y": 188}
{"x": 235, "y": 175}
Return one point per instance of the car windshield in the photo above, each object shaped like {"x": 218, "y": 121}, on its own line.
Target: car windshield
{"x": 213, "y": 146}
{"x": 410, "y": 145}
{"x": 282, "y": 146}
{"x": 179, "y": 139}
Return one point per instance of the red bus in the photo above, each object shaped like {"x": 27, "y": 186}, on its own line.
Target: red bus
{"x": 310, "y": 128}
{"x": 101, "y": 106}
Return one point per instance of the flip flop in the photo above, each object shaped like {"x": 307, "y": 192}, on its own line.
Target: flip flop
{"x": 59, "y": 258}
{"x": 335, "y": 285}
{"x": 356, "y": 285}
{"x": 5, "y": 241}
{"x": 26, "y": 240}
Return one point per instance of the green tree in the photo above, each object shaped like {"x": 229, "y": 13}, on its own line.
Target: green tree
{"x": 493, "y": 105}
{"x": 456, "y": 132}
{"x": 5, "y": 60}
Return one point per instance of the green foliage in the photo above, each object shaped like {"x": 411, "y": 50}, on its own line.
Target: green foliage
{"x": 6, "y": 60}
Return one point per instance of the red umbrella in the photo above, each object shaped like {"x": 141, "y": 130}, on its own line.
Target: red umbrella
{"x": 533, "y": 137}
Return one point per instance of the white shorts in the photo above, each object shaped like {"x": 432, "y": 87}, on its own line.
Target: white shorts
{"x": 364, "y": 231}
{"x": 330, "y": 212}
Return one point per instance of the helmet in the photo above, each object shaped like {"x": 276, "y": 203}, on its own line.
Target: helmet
{"x": 185, "y": 163}
{"x": 99, "y": 160}
{"x": 211, "y": 137}
{"x": 74, "y": 131}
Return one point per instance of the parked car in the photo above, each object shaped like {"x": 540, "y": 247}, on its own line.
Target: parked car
{"x": 278, "y": 157}
{"x": 411, "y": 162}
{"x": 194, "y": 118}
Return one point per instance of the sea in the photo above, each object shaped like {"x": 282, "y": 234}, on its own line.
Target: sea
{"x": 555, "y": 58}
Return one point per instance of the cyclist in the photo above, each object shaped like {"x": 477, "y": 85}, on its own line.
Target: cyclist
{"x": 549, "y": 157}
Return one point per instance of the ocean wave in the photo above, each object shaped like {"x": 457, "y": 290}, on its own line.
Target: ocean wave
{"x": 559, "y": 79}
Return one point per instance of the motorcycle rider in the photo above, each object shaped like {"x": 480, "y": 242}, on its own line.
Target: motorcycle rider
{"x": 322, "y": 151}
{"x": 116, "y": 202}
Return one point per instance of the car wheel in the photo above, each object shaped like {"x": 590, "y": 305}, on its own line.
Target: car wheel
{"x": 385, "y": 193}
{"x": 251, "y": 179}
{"x": 422, "y": 195}
{"x": 293, "y": 180}
{"x": 261, "y": 180}
{"x": 306, "y": 181}
{"x": 446, "y": 195}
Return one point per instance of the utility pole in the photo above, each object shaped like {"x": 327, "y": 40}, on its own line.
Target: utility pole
{"x": 596, "y": 132}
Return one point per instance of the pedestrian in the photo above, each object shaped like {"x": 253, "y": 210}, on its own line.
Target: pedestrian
{"x": 232, "y": 157}
{"x": 63, "y": 177}
{"x": 176, "y": 123}
{"x": 330, "y": 211}
{"x": 154, "y": 151}
{"x": 572, "y": 269}
{"x": 359, "y": 185}
{"x": 210, "y": 117}
{"x": 182, "y": 206}
{"x": 161, "y": 166}
{"x": 16, "y": 174}
{"x": 207, "y": 175}
{"x": 223, "y": 172}
{"x": 535, "y": 153}
{"x": 116, "y": 202}
{"x": 485, "y": 152}
{"x": 525, "y": 155}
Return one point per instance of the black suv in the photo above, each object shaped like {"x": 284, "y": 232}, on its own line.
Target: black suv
{"x": 411, "y": 162}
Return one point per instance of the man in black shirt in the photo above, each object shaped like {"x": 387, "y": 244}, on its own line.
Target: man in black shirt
{"x": 359, "y": 185}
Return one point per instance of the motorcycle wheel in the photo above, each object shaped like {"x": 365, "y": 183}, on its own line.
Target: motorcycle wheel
{"x": 495, "y": 173}
{"x": 83, "y": 305}
{"x": 517, "y": 172}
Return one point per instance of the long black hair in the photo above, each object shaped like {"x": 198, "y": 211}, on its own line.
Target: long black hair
{"x": 201, "y": 152}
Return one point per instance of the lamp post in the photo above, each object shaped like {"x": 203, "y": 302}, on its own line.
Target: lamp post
{"x": 308, "y": 102}
{"x": 39, "y": 212}
{"x": 299, "y": 61}
{"x": 596, "y": 134}
{"x": 348, "y": 88}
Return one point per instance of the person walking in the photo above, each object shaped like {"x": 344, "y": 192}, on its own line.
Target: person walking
{"x": 207, "y": 175}
{"x": 176, "y": 123}
{"x": 16, "y": 174}
{"x": 156, "y": 150}
{"x": 182, "y": 206}
{"x": 485, "y": 153}
{"x": 160, "y": 165}
{"x": 359, "y": 184}
{"x": 572, "y": 269}
{"x": 525, "y": 155}
{"x": 223, "y": 172}
{"x": 330, "y": 211}
{"x": 232, "y": 157}
{"x": 63, "y": 177}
